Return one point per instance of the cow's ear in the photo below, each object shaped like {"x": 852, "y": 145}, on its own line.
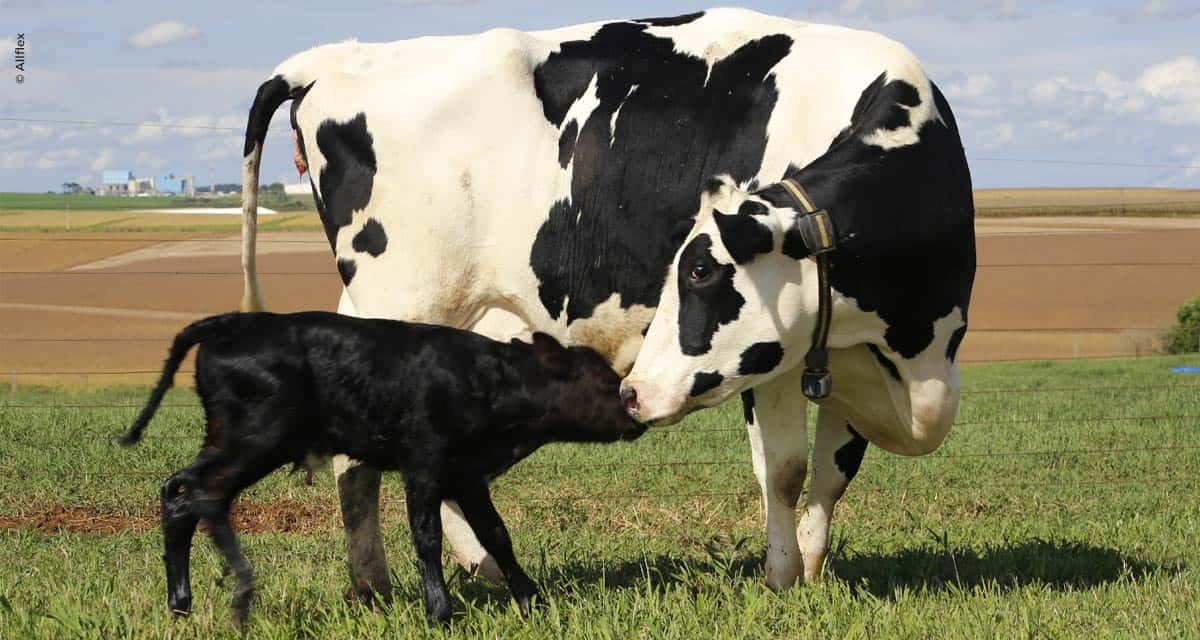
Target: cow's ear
{"x": 747, "y": 233}
{"x": 718, "y": 192}
{"x": 549, "y": 353}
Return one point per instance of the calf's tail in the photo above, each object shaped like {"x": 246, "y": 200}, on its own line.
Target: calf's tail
{"x": 191, "y": 335}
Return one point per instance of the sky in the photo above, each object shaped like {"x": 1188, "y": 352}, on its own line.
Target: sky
{"x": 1047, "y": 93}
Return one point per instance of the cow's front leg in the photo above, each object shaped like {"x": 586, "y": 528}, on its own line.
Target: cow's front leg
{"x": 358, "y": 492}
{"x": 837, "y": 452}
{"x": 775, "y": 419}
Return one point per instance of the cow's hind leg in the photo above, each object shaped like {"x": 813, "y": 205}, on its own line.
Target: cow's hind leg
{"x": 179, "y": 521}
{"x": 358, "y": 493}
{"x": 776, "y": 421}
{"x": 837, "y": 452}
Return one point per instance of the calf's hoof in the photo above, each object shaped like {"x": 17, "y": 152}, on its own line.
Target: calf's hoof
{"x": 530, "y": 601}
{"x": 180, "y": 604}
{"x": 439, "y": 617}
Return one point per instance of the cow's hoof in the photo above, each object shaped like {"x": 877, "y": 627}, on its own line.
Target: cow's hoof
{"x": 373, "y": 600}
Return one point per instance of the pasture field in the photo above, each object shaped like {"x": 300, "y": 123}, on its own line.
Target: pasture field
{"x": 1117, "y": 201}
{"x": 48, "y": 212}
{"x": 10, "y": 201}
{"x": 1066, "y": 503}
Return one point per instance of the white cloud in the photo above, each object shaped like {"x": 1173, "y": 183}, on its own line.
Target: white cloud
{"x": 952, "y": 9}
{"x": 1156, "y": 11}
{"x": 7, "y": 45}
{"x": 197, "y": 122}
{"x": 424, "y": 3}
{"x": 1175, "y": 84}
{"x": 24, "y": 133}
{"x": 56, "y": 158}
{"x": 163, "y": 33}
{"x": 145, "y": 159}
{"x": 101, "y": 162}
{"x": 13, "y": 159}
{"x": 973, "y": 87}
{"x": 143, "y": 134}
{"x": 215, "y": 149}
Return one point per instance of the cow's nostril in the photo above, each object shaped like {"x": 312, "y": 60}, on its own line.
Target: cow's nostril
{"x": 629, "y": 397}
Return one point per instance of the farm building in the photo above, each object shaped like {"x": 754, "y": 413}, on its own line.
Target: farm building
{"x": 175, "y": 185}
{"x": 122, "y": 182}
{"x": 115, "y": 182}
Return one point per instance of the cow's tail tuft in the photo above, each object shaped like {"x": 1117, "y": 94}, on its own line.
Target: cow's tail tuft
{"x": 271, "y": 94}
{"x": 191, "y": 335}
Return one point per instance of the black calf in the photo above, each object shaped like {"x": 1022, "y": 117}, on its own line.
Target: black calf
{"x": 447, "y": 408}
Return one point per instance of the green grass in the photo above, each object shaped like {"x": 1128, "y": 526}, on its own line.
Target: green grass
{"x": 13, "y": 201}
{"x": 972, "y": 541}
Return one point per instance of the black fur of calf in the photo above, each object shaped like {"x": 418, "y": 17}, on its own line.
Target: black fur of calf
{"x": 448, "y": 409}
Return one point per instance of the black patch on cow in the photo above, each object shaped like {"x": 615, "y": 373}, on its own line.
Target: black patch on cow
{"x": 566, "y": 144}
{"x": 883, "y": 360}
{"x": 673, "y": 21}
{"x": 346, "y": 268}
{"x": 634, "y": 194}
{"x": 744, "y": 236}
{"x": 956, "y": 339}
{"x": 371, "y": 239}
{"x": 850, "y": 455}
{"x": 905, "y": 216}
{"x": 760, "y": 357}
{"x": 793, "y": 244}
{"x": 752, "y": 208}
{"x": 705, "y": 305}
{"x": 748, "y": 405}
{"x": 704, "y": 382}
{"x": 349, "y": 172}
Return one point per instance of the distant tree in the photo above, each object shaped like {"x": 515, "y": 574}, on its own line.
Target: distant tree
{"x": 1184, "y": 337}
{"x": 275, "y": 189}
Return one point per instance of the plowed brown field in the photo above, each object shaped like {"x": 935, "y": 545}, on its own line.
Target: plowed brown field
{"x": 94, "y": 309}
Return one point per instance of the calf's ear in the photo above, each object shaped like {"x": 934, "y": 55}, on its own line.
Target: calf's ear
{"x": 549, "y": 353}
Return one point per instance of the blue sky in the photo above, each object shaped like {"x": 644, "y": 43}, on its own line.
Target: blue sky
{"x": 1072, "y": 82}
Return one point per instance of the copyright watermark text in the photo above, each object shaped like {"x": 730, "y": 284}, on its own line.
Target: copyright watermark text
{"x": 19, "y": 58}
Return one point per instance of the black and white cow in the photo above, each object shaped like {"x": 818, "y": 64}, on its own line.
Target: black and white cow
{"x": 511, "y": 182}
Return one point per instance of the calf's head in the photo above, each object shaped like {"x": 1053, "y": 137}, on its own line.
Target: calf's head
{"x": 737, "y": 308}
{"x": 581, "y": 395}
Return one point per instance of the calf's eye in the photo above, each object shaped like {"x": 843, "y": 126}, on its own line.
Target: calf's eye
{"x": 699, "y": 272}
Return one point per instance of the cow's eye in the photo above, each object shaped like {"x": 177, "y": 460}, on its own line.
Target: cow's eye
{"x": 700, "y": 272}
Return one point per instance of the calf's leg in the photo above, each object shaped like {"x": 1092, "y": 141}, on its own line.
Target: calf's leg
{"x": 423, "y": 497}
{"x": 221, "y": 532}
{"x": 477, "y": 506}
{"x": 178, "y": 526}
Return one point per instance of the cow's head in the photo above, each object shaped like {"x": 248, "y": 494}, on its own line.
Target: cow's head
{"x": 737, "y": 308}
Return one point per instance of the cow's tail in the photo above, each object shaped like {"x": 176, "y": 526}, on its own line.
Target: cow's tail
{"x": 191, "y": 335}
{"x": 271, "y": 94}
